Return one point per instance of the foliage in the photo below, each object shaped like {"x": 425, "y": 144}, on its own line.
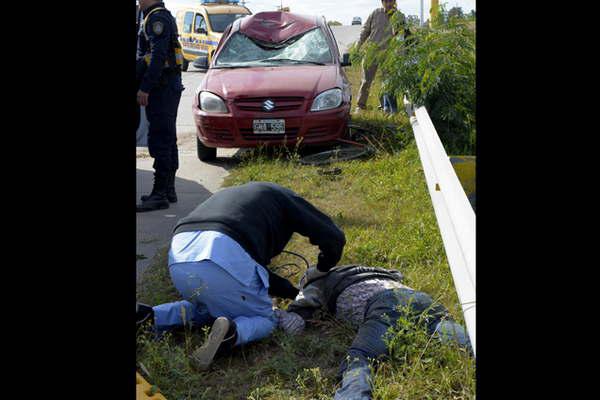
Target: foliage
{"x": 434, "y": 67}
{"x": 334, "y": 23}
{"x": 456, "y": 12}
{"x": 413, "y": 20}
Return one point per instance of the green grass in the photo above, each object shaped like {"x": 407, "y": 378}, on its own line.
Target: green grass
{"x": 383, "y": 206}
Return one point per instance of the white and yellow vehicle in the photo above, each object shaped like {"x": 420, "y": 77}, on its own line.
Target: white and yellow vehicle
{"x": 201, "y": 27}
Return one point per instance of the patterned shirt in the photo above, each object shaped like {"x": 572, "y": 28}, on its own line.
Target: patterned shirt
{"x": 352, "y": 302}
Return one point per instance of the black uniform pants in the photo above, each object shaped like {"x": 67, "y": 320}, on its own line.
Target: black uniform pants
{"x": 162, "y": 118}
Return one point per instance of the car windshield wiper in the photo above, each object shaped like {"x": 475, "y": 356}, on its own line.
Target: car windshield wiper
{"x": 291, "y": 60}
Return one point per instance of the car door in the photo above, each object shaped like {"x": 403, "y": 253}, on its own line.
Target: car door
{"x": 200, "y": 33}
{"x": 190, "y": 48}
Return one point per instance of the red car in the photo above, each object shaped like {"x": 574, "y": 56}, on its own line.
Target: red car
{"x": 276, "y": 79}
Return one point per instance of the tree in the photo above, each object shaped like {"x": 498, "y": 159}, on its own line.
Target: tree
{"x": 413, "y": 20}
{"x": 456, "y": 12}
{"x": 435, "y": 68}
{"x": 333, "y": 23}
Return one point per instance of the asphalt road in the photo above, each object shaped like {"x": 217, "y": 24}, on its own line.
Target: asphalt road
{"x": 196, "y": 180}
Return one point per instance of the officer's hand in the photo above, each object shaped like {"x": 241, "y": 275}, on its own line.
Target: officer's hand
{"x": 142, "y": 98}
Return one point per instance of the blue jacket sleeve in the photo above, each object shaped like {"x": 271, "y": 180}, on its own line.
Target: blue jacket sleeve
{"x": 158, "y": 30}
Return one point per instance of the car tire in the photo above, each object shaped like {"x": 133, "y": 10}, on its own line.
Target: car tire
{"x": 205, "y": 153}
{"x": 185, "y": 65}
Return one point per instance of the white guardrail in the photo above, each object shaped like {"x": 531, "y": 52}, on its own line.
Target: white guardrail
{"x": 455, "y": 216}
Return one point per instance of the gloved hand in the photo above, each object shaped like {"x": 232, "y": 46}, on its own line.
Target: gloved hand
{"x": 290, "y": 322}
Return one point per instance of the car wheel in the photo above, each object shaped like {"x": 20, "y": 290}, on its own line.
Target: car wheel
{"x": 205, "y": 153}
{"x": 185, "y": 65}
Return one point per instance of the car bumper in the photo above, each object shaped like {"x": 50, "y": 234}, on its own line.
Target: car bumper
{"x": 305, "y": 128}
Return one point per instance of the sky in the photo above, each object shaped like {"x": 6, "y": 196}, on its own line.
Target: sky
{"x": 342, "y": 11}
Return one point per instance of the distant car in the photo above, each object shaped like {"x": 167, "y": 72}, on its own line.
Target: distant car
{"x": 357, "y": 21}
{"x": 276, "y": 79}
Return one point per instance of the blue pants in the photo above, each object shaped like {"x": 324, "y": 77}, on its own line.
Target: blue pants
{"x": 210, "y": 292}
{"x": 382, "y": 313}
{"x": 388, "y": 103}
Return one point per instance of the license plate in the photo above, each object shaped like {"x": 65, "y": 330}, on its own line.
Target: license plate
{"x": 276, "y": 126}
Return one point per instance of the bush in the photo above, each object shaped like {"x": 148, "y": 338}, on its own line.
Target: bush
{"x": 434, "y": 67}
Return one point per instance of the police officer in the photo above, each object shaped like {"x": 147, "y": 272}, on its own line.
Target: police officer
{"x": 159, "y": 73}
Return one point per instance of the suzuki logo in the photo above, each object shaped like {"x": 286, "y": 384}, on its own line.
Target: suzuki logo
{"x": 268, "y": 105}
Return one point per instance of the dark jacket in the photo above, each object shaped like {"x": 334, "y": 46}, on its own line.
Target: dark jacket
{"x": 261, "y": 217}
{"x": 321, "y": 290}
{"x": 158, "y": 38}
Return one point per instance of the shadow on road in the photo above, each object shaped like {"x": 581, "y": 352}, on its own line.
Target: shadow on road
{"x": 183, "y": 187}
{"x": 155, "y": 228}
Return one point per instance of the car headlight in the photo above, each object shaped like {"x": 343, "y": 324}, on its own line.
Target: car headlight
{"x": 212, "y": 103}
{"x": 327, "y": 100}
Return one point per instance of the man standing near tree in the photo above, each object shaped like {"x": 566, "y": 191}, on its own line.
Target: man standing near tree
{"x": 378, "y": 30}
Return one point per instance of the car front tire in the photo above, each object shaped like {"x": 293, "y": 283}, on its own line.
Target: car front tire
{"x": 205, "y": 153}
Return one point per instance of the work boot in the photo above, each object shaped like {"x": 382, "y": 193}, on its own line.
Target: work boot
{"x": 143, "y": 314}
{"x": 158, "y": 197}
{"x": 221, "y": 340}
{"x": 171, "y": 195}
{"x": 156, "y": 201}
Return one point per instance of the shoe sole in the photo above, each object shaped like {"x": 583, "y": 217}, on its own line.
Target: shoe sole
{"x": 204, "y": 355}
{"x": 144, "y": 198}
{"x": 160, "y": 207}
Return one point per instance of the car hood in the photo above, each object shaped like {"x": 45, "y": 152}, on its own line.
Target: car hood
{"x": 299, "y": 80}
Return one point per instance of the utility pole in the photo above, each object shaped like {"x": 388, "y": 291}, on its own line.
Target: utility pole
{"x": 422, "y": 16}
{"x": 434, "y": 12}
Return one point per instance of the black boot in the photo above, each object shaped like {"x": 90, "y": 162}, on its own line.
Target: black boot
{"x": 157, "y": 200}
{"x": 143, "y": 314}
{"x": 221, "y": 340}
{"x": 171, "y": 195}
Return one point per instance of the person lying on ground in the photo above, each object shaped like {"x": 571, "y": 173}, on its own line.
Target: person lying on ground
{"x": 218, "y": 259}
{"x": 371, "y": 300}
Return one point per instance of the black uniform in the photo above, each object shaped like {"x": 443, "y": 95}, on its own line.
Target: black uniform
{"x": 261, "y": 217}
{"x": 159, "y": 74}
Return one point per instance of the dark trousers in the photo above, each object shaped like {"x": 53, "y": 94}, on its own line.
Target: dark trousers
{"x": 381, "y": 313}
{"x": 162, "y": 118}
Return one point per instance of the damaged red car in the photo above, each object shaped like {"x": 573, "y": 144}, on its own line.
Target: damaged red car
{"x": 276, "y": 79}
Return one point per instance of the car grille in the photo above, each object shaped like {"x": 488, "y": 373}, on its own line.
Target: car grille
{"x": 281, "y": 103}
{"x": 290, "y": 134}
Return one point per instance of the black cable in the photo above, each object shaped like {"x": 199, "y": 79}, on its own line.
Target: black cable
{"x": 298, "y": 255}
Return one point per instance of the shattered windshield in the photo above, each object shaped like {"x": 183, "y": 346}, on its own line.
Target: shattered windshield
{"x": 219, "y": 22}
{"x": 242, "y": 51}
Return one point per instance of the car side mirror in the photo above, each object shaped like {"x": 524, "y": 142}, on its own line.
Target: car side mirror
{"x": 201, "y": 62}
{"x": 346, "y": 60}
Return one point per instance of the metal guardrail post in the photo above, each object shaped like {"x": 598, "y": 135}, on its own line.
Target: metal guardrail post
{"x": 455, "y": 216}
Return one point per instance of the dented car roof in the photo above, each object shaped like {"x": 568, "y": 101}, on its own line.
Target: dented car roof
{"x": 276, "y": 26}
